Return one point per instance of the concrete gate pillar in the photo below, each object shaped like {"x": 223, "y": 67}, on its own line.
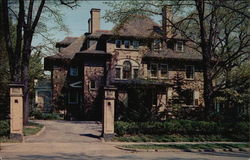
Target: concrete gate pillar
{"x": 108, "y": 112}
{"x": 16, "y": 111}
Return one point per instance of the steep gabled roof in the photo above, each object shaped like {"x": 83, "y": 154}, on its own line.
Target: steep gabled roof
{"x": 66, "y": 41}
{"x": 140, "y": 26}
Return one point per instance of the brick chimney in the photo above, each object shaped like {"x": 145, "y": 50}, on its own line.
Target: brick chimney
{"x": 94, "y": 21}
{"x": 89, "y": 22}
{"x": 166, "y": 25}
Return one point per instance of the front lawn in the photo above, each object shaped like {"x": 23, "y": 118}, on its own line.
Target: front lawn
{"x": 32, "y": 129}
{"x": 189, "y": 146}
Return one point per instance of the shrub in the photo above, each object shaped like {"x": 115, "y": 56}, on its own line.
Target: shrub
{"x": 235, "y": 131}
{"x": 45, "y": 116}
{"x": 4, "y": 127}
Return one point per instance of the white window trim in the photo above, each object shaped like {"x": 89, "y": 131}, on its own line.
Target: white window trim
{"x": 92, "y": 89}
{"x": 186, "y": 72}
{"x": 121, "y": 68}
{"x": 133, "y": 72}
{"x": 73, "y": 75}
{"x": 176, "y": 48}
{"x": 136, "y": 42}
{"x": 154, "y": 44}
{"x": 163, "y": 64}
{"x": 120, "y": 43}
{"x": 151, "y": 70}
{"x": 77, "y": 96}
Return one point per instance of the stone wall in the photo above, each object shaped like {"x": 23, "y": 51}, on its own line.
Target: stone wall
{"x": 59, "y": 75}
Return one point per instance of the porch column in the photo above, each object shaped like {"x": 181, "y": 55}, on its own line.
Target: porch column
{"x": 16, "y": 111}
{"x": 108, "y": 112}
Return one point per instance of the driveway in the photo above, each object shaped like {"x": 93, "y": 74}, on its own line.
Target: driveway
{"x": 68, "y": 132}
{"x": 67, "y": 140}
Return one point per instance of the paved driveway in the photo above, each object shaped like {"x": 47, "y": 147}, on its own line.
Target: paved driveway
{"x": 67, "y": 140}
{"x": 68, "y": 132}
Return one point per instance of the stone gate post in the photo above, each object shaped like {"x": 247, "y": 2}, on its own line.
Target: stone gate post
{"x": 16, "y": 111}
{"x": 108, "y": 112}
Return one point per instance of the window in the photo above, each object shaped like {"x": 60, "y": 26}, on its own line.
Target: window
{"x": 126, "y": 44}
{"x": 179, "y": 46}
{"x": 157, "y": 44}
{"x": 118, "y": 43}
{"x": 153, "y": 70}
{"x": 73, "y": 71}
{"x": 136, "y": 73}
{"x": 190, "y": 72}
{"x": 126, "y": 70}
{"x": 164, "y": 70}
{"x": 73, "y": 97}
{"x": 136, "y": 44}
{"x": 92, "y": 84}
{"x": 189, "y": 97}
{"x": 118, "y": 73}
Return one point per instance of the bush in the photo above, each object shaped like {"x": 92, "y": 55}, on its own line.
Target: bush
{"x": 45, "y": 116}
{"x": 4, "y": 127}
{"x": 235, "y": 131}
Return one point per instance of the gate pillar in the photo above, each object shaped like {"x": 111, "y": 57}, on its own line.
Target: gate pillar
{"x": 108, "y": 112}
{"x": 16, "y": 111}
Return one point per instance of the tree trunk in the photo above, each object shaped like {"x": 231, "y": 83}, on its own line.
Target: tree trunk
{"x": 25, "y": 76}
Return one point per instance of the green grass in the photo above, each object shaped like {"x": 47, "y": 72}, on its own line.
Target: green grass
{"x": 170, "y": 138}
{"x": 32, "y": 128}
{"x": 189, "y": 146}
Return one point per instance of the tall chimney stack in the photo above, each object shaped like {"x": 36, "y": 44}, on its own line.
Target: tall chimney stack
{"x": 89, "y": 22}
{"x": 166, "y": 25}
{"x": 95, "y": 20}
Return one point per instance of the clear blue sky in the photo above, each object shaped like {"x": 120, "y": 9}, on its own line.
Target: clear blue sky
{"x": 76, "y": 20}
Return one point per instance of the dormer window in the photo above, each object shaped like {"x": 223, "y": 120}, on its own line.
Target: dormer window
{"x": 179, "y": 46}
{"x": 126, "y": 44}
{"x": 73, "y": 71}
{"x": 157, "y": 44}
{"x": 118, "y": 43}
{"x": 136, "y": 44}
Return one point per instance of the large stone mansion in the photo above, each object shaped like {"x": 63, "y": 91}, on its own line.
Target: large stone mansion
{"x": 138, "y": 53}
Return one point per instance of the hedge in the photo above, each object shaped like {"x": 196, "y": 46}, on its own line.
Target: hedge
{"x": 239, "y": 130}
{"x": 4, "y": 127}
{"x": 45, "y": 116}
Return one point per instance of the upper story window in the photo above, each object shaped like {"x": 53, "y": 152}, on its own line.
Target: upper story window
{"x": 118, "y": 43}
{"x": 190, "y": 72}
{"x": 127, "y": 44}
{"x": 136, "y": 72}
{"x": 153, "y": 70}
{"x": 157, "y": 44}
{"x": 164, "y": 70}
{"x": 179, "y": 46}
{"x": 136, "y": 44}
{"x": 118, "y": 73}
{"x": 126, "y": 70}
{"x": 73, "y": 71}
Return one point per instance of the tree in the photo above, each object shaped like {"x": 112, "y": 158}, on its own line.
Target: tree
{"x": 27, "y": 18}
{"x": 217, "y": 29}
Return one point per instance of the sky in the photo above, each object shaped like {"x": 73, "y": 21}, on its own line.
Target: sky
{"x": 76, "y": 20}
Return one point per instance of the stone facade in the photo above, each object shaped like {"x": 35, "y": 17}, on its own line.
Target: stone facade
{"x": 131, "y": 54}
